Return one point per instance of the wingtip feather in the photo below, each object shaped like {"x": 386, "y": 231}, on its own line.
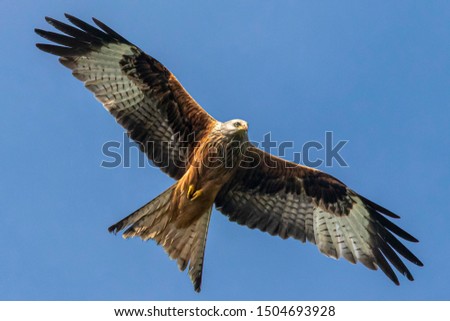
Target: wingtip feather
{"x": 40, "y": 32}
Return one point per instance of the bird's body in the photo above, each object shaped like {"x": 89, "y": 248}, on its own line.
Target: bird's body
{"x": 214, "y": 163}
{"x": 211, "y": 166}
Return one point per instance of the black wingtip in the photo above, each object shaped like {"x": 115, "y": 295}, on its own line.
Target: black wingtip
{"x": 44, "y": 47}
{"x": 113, "y": 229}
{"x": 418, "y": 263}
{"x": 379, "y": 208}
{"x": 409, "y": 276}
{"x": 110, "y": 31}
{"x": 383, "y": 221}
{"x": 71, "y": 18}
{"x": 74, "y": 19}
{"x": 51, "y": 21}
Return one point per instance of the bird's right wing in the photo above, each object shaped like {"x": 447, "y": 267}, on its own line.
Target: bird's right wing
{"x": 142, "y": 94}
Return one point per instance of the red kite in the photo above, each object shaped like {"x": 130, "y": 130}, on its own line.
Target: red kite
{"x": 213, "y": 163}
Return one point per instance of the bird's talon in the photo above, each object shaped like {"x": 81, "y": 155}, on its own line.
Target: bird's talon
{"x": 190, "y": 191}
{"x": 196, "y": 194}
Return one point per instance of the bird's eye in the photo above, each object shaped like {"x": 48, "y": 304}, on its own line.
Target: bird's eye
{"x": 237, "y": 124}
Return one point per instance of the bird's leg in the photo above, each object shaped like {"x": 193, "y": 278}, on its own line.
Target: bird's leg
{"x": 192, "y": 194}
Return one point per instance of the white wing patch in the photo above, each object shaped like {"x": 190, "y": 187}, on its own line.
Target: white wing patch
{"x": 345, "y": 236}
{"x": 102, "y": 74}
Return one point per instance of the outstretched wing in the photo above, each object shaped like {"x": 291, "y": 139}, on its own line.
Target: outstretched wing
{"x": 289, "y": 200}
{"x": 142, "y": 94}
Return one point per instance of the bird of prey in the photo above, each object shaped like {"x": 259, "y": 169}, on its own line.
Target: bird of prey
{"x": 214, "y": 163}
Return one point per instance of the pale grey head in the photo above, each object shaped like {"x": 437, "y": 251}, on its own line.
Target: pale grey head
{"x": 234, "y": 128}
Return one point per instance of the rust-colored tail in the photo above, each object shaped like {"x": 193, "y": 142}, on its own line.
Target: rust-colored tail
{"x": 155, "y": 221}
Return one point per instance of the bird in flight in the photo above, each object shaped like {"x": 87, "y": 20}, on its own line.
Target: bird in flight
{"x": 214, "y": 163}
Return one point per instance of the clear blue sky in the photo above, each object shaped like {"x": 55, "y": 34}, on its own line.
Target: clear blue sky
{"x": 374, "y": 73}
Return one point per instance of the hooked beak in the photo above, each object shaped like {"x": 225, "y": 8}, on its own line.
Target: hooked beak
{"x": 243, "y": 127}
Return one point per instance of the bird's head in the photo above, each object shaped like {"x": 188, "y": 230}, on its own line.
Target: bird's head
{"x": 236, "y": 128}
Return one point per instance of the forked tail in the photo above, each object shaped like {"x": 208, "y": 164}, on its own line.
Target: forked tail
{"x": 155, "y": 220}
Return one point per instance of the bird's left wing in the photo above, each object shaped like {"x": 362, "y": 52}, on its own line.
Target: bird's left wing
{"x": 142, "y": 94}
{"x": 290, "y": 200}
